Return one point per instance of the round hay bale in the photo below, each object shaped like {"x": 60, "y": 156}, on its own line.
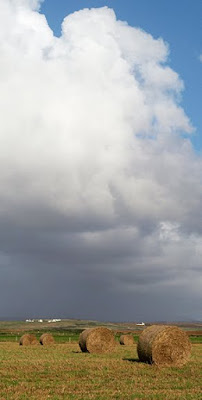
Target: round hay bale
{"x": 46, "y": 339}
{"x": 127, "y": 340}
{"x": 97, "y": 340}
{"x": 28, "y": 339}
{"x": 164, "y": 345}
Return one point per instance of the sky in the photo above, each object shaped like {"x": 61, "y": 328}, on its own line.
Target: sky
{"x": 100, "y": 160}
{"x": 177, "y": 22}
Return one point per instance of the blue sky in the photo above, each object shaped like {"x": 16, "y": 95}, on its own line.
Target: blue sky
{"x": 177, "y": 22}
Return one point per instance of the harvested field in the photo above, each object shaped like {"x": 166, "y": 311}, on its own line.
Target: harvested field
{"x": 164, "y": 345}
{"x": 97, "y": 340}
{"x": 194, "y": 333}
{"x": 28, "y": 340}
{"x": 127, "y": 340}
{"x": 63, "y": 372}
{"x": 46, "y": 339}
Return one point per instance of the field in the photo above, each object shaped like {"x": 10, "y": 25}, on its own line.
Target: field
{"x": 61, "y": 371}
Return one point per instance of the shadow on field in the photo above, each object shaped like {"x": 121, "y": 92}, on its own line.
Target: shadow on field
{"x": 136, "y": 360}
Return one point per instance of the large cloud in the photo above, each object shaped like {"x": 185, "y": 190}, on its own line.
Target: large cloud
{"x": 100, "y": 187}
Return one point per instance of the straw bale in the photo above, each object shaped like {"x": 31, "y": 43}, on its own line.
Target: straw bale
{"x": 164, "y": 345}
{"x": 97, "y": 340}
{"x": 28, "y": 339}
{"x": 46, "y": 339}
{"x": 127, "y": 340}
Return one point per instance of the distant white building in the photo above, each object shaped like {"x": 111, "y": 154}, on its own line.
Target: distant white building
{"x": 141, "y": 324}
{"x": 40, "y": 320}
{"x": 54, "y": 320}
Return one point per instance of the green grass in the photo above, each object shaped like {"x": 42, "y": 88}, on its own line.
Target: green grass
{"x": 59, "y": 336}
{"x": 64, "y": 336}
{"x": 61, "y": 371}
{"x": 196, "y": 339}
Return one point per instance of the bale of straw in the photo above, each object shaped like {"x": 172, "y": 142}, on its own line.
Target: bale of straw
{"x": 164, "y": 345}
{"x": 97, "y": 340}
{"x": 127, "y": 340}
{"x": 27, "y": 340}
{"x": 46, "y": 339}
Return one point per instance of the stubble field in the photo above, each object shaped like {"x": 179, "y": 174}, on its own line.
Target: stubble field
{"x": 61, "y": 371}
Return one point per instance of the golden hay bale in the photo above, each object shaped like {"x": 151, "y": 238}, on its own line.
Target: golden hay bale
{"x": 97, "y": 340}
{"x": 127, "y": 340}
{"x": 46, "y": 339}
{"x": 164, "y": 345}
{"x": 28, "y": 339}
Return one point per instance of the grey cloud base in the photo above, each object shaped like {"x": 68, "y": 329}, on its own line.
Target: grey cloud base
{"x": 100, "y": 202}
